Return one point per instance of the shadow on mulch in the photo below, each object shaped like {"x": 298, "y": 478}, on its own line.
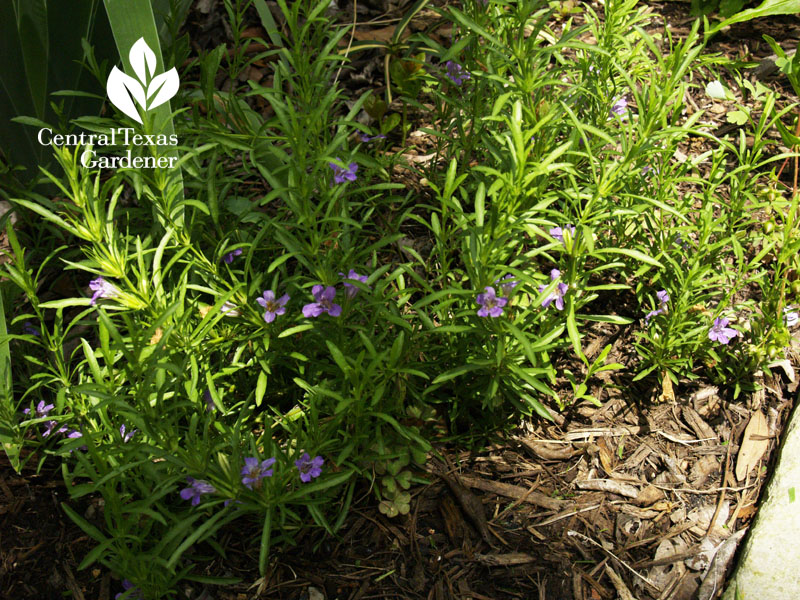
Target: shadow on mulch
{"x": 40, "y": 548}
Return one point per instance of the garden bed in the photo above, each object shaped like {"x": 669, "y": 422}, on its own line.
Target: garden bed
{"x": 626, "y": 499}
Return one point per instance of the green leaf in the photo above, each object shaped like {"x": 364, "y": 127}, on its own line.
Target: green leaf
{"x": 11, "y": 445}
{"x": 129, "y": 22}
{"x": 89, "y": 529}
{"x": 767, "y": 8}
{"x": 738, "y": 117}
{"x": 630, "y": 252}
{"x": 458, "y": 371}
{"x": 261, "y": 388}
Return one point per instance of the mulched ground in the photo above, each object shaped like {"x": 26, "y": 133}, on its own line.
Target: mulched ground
{"x": 627, "y": 500}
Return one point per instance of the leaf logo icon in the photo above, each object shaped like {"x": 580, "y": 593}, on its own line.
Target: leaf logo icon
{"x": 147, "y": 90}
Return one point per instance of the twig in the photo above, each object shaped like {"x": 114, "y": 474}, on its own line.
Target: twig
{"x": 722, "y": 493}
{"x": 575, "y": 512}
{"x": 711, "y": 491}
{"x": 622, "y": 589}
{"x": 615, "y": 557}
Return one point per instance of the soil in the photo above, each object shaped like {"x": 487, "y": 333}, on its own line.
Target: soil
{"x": 623, "y": 500}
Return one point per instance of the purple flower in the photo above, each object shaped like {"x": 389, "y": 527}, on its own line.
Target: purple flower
{"x": 197, "y": 487}
{"x": 41, "y": 409}
{"x": 324, "y": 302}
{"x": 681, "y": 242}
{"x": 253, "y": 472}
{"x": 309, "y": 468}
{"x": 133, "y": 592}
{"x": 559, "y": 292}
{"x": 648, "y": 169}
{"x": 272, "y": 307}
{"x": 50, "y": 426}
{"x": 366, "y": 139}
{"x": 210, "y": 406}
{"x": 102, "y": 289}
{"x": 720, "y": 332}
{"x": 651, "y": 314}
{"x": 230, "y": 310}
{"x": 507, "y": 285}
{"x": 340, "y": 175}
{"x": 351, "y": 290}
{"x": 456, "y": 73}
{"x": 126, "y": 437}
{"x": 558, "y": 232}
{"x": 663, "y": 298}
{"x": 228, "y": 258}
{"x": 491, "y": 305}
{"x": 74, "y": 434}
{"x": 29, "y": 328}
{"x": 620, "y": 107}
{"x": 790, "y": 316}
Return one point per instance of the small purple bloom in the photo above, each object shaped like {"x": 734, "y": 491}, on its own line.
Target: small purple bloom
{"x": 620, "y": 107}
{"x": 490, "y": 304}
{"x": 559, "y": 292}
{"x": 366, "y": 139}
{"x": 29, "y": 328}
{"x": 720, "y": 332}
{"x": 648, "y": 169}
{"x": 228, "y": 258}
{"x": 210, "y": 406}
{"x": 50, "y": 426}
{"x": 126, "y": 436}
{"x": 456, "y": 73}
{"x": 507, "y": 285}
{"x": 349, "y": 289}
{"x": 272, "y": 306}
{"x": 41, "y": 409}
{"x": 102, "y": 289}
{"x": 197, "y": 487}
{"x": 133, "y": 592}
{"x": 73, "y": 435}
{"x": 790, "y": 316}
{"x": 324, "y": 302}
{"x": 651, "y": 314}
{"x": 340, "y": 175}
{"x": 253, "y": 472}
{"x": 558, "y": 232}
{"x": 309, "y": 468}
{"x": 230, "y": 310}
{"x": 663, "y": 299}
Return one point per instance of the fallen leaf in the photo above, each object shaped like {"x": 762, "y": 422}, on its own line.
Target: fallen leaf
{"x": 606, "y": 457}
{"x": 753, "y": 446}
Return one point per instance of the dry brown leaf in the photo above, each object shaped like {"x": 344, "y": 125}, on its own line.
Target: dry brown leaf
{"x": 753, "y": 447}
{"x": 384, "y": 34}
{"x": 606, "y": 456}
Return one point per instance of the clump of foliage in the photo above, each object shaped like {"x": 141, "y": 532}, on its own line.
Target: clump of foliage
{"x": 247, "y": 343}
